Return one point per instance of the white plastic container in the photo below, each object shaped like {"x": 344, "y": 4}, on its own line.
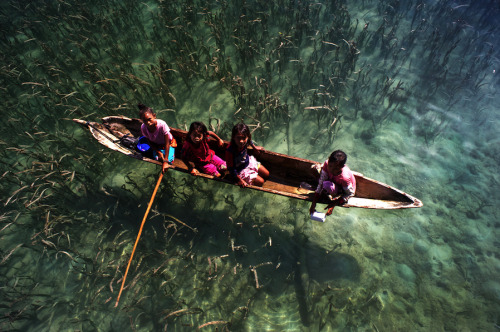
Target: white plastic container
{"x": 318, "y": 216}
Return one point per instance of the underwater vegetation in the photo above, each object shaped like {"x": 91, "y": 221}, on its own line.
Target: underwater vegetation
{"x": 408, "y": 88}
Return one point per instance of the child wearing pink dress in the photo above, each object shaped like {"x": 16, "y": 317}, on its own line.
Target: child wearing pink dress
{"x": 196, "y": 151}
{"x": 244, "y": 168}
{"x": 335, "y": 179}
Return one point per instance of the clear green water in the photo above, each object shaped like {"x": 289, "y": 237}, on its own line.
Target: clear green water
{"x": 413, "y": 102}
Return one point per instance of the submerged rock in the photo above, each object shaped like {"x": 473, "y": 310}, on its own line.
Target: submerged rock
{"x": 404, "y": 237}
{"x": 421, "y": 246}
{"x": 324, "y": 268}
{"x": 491, "y": 290}
{"x": 406, "y": 273}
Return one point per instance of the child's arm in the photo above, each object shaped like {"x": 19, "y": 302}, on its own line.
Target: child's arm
{"x": 164, "y": 158}
{"x": 336, "y": 202}
{"x": 313, "y": 204}
{"x": 214, "y": 135}
{"x": 322, "y": 177}
{"x": 257, "y": 149}
{"x": 232, "y": 170}
{"x": 315, "y": 200}
{"x": 190, "y": 166}
{"x": 347, "y": 192}
{"x": 185, "y": 158}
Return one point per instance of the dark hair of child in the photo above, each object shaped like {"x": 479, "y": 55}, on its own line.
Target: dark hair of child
{"x": 241, "y": 129}
{"x": 143, "y": 109}
{"x": 198, "y": 127}
{"x": 338, "y": 156}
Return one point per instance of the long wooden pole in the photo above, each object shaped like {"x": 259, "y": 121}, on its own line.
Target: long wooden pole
{"x": 139, "y": 236}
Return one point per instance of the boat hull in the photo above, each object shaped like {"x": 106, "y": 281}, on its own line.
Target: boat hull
{"x": 287, "y": 172}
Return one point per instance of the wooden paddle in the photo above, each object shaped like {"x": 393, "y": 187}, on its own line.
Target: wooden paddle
{"x": 139, "y": 235}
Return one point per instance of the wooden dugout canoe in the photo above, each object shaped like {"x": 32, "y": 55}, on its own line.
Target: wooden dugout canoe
{"x": 287, "y": 173}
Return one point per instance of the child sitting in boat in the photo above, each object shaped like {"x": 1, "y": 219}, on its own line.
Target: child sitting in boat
{"x": 244, "y": 168}
{"x": 158, "y": 135}
{"x": 335, "y": 179}
{"x": 196, "y": 151}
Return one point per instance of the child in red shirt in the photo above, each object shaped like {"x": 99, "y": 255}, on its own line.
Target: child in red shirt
{"x": 196, "y": 150}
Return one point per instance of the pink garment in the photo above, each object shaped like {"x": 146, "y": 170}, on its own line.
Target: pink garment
{"x": 158, "y": 136}
{"x": 213, "y": 166}
{"x": 331, "y": 188}
{"x": 249, "y": 173}
{"x": 344, "y": 183}
{"x": 200, "y": 154}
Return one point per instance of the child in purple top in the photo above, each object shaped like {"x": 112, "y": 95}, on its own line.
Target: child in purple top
{"x": 158, "y": 134}
{"x": 335, "y": 179}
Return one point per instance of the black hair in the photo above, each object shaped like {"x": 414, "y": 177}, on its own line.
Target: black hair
{"x": 338, "y": 156}
{"x": 242, "y": 129}
{"x": 199, "y": 127}
{"x": 143, "y": 109}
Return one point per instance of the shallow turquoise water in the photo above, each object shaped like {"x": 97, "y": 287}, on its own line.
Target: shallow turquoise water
{"x": 409, "y": 91}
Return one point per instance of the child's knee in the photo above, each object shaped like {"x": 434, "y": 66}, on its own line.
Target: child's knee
{"x": 263, "y": 172}
{"x": 258, "y": 181}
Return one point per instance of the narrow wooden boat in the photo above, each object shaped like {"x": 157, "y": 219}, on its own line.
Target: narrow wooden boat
{"x": 288, "y": 174}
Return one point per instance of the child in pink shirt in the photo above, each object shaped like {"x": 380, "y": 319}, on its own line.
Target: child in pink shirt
{"x": 335, "y": 179}
{"x": 158, "y": 134}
